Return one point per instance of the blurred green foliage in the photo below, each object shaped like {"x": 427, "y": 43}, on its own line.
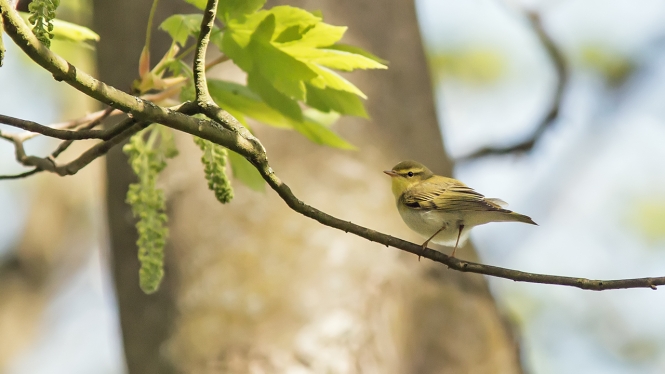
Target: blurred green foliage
{"x": 649, "y": 218}
{"x": 613, "y": 66}
{"x": 475, "y": 65}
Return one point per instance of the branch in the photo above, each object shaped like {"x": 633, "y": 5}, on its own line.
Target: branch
{"x": 228, "y": 132}
{"x": 55, "y": 131}
{"x": 562, "y": 79}
{"x": 141, "y": 110}
{"x": 130, "y": 126}
{"x": 20, "y": 176}
{"x": 200, "y": 83}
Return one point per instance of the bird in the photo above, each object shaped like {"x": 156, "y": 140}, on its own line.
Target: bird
{"x": 442, "y": 209}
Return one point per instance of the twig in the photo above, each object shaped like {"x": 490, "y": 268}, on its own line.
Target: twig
{"x": 20, "y": 176}
{"x": 36, "y": 128}
{"x": 465, "y": 266}
{"x": 71, "y": 168}
{"x": 562, "y": 79}
{"x": 217, "y": 61}
{"x": 207, "y": 23}
{"x": 226, "y": 131}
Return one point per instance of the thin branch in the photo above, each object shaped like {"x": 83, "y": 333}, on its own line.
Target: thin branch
{"x": 561, "y": 67}
{"x": 200, "y": 83}
{"x": 227, "y": 131}
{"x": 118, "y": 128}
{"x": 72, "y": 167}
{"x": 20, "y": 176}
{"x": 465, "y": 266}
{"x": 36, "y": 128}
{"x": 62, "y": 70}
{"x": 217, "y": 61}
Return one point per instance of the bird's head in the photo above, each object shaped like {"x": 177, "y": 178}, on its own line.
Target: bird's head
{"x": 406, "y": 174}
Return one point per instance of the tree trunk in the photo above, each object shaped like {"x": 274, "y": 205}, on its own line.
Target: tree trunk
{"x": 146, "y": 321}
{"x": 260, "y": 287}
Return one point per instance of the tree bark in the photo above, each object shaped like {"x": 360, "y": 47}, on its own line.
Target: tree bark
{"x": 259, "y": 287}
{"x": 146, "y": 320}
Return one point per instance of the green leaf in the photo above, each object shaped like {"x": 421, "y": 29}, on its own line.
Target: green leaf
{"x": 274, "y": 98}
{"x": 182, "y": 26}
{"x": 331, "y": 58}
{"x": 319, "y": 133}
{"x": 71, "y": 32}
{"x": 214, "y": 162}
{"x": 290, "y": 34}
{"x": 245, "y": 172}
{"x": 288, "y": 16}
{"x": 284, "y": 72}
{"x": 240, "y": 101}
{"x": 328, "y": 99}
{"x": 358, "y": 51}
{"x": 231, "y": 9}
{"x": 217, "y": 37}
{"x": 320, "y": 35}
{"x": 328, "y": 78}
{"x": 201, "y": 4}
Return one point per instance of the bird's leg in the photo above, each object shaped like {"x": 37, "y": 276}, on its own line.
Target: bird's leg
{"x": 461, "y": 227}
{"x": 431, "y": 237}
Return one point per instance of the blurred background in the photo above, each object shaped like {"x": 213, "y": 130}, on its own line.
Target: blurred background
{"x": 556, "y": 107}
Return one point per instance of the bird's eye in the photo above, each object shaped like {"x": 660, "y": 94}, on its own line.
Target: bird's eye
{"x": 410, "y": 174}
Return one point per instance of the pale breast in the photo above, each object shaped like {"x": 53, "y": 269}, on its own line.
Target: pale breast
{"x": 427, "y": 222}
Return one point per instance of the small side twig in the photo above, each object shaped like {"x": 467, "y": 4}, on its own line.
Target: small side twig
{"x": 200, "y": 82}
{"x": 561, "y": 67}
{"x": 20, "y": 176}
{"x": 71, "y": 168}
{"x": 128, "y": 126}
{"x": 59, "y": 131}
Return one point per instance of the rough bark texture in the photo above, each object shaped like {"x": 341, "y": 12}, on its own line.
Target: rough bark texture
{"x": 263, "y": 289}
{"x": 145, "y": 320}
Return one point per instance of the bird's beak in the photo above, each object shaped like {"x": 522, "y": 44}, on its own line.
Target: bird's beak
{"x": 390, "y": 172}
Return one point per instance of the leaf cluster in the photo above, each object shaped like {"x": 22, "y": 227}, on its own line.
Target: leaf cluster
{"x": 293, "y": 63}
{"x": 290, "y": 57}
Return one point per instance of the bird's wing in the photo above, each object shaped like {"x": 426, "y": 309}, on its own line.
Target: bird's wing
{"x": 447, "y": 194}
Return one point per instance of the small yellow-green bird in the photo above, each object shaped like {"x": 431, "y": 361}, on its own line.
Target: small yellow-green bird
{"x": 443, "y": 209}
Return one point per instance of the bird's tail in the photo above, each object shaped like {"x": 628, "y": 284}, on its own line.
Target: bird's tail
{"x": 520, "y": 218}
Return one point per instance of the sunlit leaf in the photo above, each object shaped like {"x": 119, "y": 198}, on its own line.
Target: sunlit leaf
{"x": 181, "y": 26}
{"x": 332, "y": 58}
{"x": 241, "y": 101}
{"x": 319, "y": 133}
{"x": 328, "y": 78}
{"x": 274, "y": 98}
{"x": 320, "y": 35}
{"x": 339, "y": 101}
{"x": 230, "y": 9}
{"x": 201, "y": 4}
{"x": 358, "y": 51}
